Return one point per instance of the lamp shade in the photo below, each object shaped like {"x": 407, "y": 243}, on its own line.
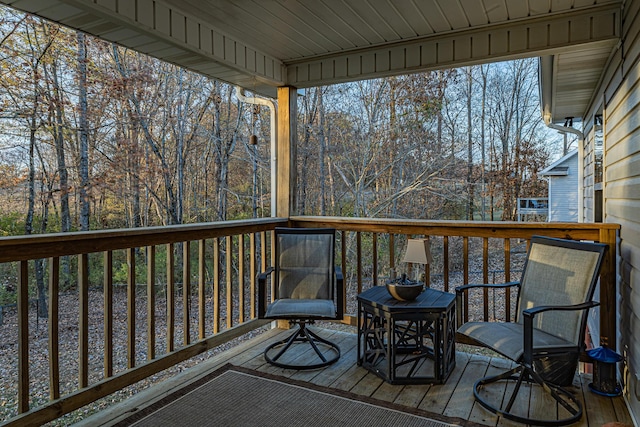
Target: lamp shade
{"x": 417, "y": 252}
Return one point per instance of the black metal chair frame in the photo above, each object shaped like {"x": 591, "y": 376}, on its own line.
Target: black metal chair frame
{"x": 531, "y": 367}
{"x": 302, "y": 334}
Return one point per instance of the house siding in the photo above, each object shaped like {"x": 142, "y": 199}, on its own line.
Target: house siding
{"x": 620, "y": 95}
{"x": 564, "y": 208}
{"x": 588, "y": 195}
{"x": 563, "y": 193}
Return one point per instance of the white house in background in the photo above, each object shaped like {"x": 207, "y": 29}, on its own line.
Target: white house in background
{"x": 563, "y": 188}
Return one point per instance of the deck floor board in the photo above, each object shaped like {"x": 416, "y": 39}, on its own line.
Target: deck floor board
{"x": 454, "y": 398}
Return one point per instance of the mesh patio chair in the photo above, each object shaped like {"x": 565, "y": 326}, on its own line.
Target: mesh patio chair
{"x": 307, "y": 287}
{"x": 554, "y": 297}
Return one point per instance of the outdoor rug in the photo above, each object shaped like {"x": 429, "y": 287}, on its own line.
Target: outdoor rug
{"x": 235, "y": 396}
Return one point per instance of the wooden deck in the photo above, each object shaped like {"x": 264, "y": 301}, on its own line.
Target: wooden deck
{"x": 454, "y": 398}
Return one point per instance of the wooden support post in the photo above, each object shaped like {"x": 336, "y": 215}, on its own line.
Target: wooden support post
{"x": 608, "y": 311}
{"x": 286, "y": 152}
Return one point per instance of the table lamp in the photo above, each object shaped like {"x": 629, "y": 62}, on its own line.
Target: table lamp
{"x": 417, "y": 253}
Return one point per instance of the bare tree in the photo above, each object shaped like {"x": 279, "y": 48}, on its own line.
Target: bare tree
{"x": 37, "y": 46}
{"x": 469, "y": 95}
{"x": 83, "y": 131}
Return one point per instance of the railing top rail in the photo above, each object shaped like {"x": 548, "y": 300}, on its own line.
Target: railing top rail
{"x": 496, "y": 229}
{"x": 20, "y": 248}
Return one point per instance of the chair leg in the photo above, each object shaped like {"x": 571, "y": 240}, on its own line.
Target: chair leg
{"x": 303, "y": 335}
{"x": 522, "y": 373}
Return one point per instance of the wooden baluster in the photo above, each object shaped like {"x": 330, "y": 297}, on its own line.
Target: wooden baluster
{"x": 23, "y": 336}
{"x": 465, "y": 274}
{"x": 427, "y": 268}
{"x": 151, "y": 302}
{"x": 171, "y": 284}
{"x": 108, "y": 313}
{"x": 445, "y": 263}
{"x": 229, "y": 277}
{"x": 216, "y": 285}
{"x": 507, "y": 278}
{"x": 273, "y": 263}
{"x": 343, "y": 250}
{"x": 485, "y": 277}
{"x": 253, "y": 274}
{"x": 485, "y": 260}
{"x": 54, "y": 335}
{"x": 465, "y": 259}
{"x": 392, "y": 253}
{"x": 263, "y": 250}
{"x": 83, "y": 321}
{"x": 240, "y": 278}
{"x": 359, "y": 260}
{"x": 131, "y": 308}
{"x": 375, "y": 259}
{"x": 201, "y": 288}
{"x": 343, "y": 254}
{"x": 186, "y": 293}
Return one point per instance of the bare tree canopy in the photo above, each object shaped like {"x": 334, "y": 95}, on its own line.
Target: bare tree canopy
{"x": 96, "y": 136}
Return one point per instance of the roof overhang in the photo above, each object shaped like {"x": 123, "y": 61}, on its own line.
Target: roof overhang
{"x": 263, "y": 44}
{"x": 561, "y": 171}
{"x": 568, "y": 79}
{"x": 555, "y": 169}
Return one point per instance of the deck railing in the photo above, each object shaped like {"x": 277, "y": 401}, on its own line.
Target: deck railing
{"x": 470, "y": 251}
{"x": 200, "y": 281}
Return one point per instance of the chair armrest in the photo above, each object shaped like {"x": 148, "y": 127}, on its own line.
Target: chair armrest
{"x": 461, "y": 309}
{"x": 263, "y": 276}
{"x": 339, "y": 278}
{"x": 262, "y": 291}
{"x": 530, "y": 313}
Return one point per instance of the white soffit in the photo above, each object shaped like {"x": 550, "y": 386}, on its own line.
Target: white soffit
{"x": 263, "y": 44}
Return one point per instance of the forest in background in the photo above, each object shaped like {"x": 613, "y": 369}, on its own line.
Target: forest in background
{"x": 95, "y": 136}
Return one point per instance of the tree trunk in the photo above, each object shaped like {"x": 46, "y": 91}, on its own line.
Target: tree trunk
{"x": 180, "y": 152}
{"x": 323, "y": 152}
{"x": 483, "y": 138}
{"x": 220, "y": 163}
{"x": 83, "y": 132}
{"x": 41, "y": 286}
{"x": 225, "y": 146}
{"x": 469, "y": 146}
{"x": 58, "y": 126}
{"x": 63, "y": 173}
{"x": 439, "y": 113}
{"x": 134, "y": 175}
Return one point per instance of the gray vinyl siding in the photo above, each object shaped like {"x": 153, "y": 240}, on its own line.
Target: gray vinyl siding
{"x": 620, "y": 92}
{"x": 563, "y": 193}
{"x": 588, "y": 178}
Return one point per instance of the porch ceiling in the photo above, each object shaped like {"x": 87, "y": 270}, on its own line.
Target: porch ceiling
{"x": 263, "y": 44}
